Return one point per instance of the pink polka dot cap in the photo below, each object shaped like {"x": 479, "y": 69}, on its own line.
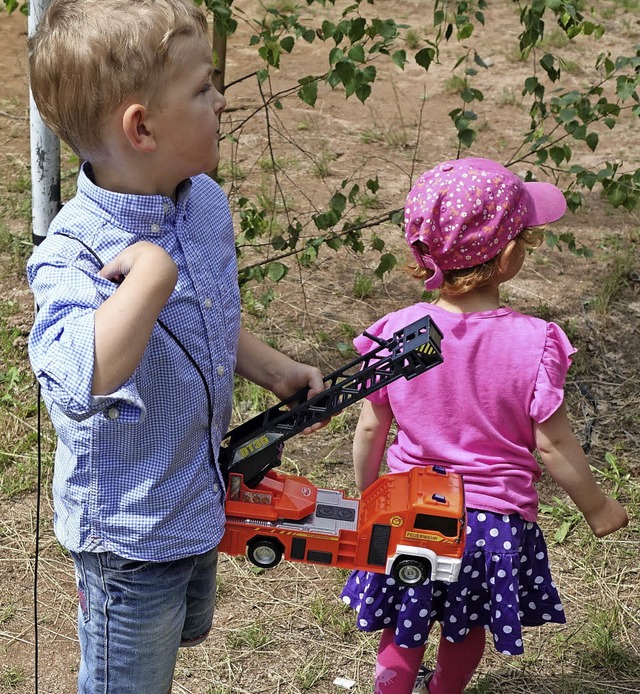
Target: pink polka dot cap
{"x": 466, "y": 211}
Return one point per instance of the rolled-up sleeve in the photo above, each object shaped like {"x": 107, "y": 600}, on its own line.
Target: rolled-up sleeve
{"x": 61, "y": 343}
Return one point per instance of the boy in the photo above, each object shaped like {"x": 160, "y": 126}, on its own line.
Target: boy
{"x": 138, "y": 331}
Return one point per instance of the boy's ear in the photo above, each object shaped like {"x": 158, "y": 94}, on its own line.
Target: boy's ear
{"x": 134, "y": 126}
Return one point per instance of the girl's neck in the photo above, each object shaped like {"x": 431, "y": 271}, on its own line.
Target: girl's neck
{"x": 481, "y": 299}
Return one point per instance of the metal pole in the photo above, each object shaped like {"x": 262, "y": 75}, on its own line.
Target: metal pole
{"x": 45, "y": 154}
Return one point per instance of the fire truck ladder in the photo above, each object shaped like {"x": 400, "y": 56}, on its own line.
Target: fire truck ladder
{"x": 255, "y": 447}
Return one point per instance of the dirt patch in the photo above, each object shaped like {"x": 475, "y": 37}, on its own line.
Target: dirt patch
{"x": 285, "y": 630}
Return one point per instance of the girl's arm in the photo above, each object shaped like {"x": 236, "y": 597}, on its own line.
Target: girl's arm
{"x": 369, "y": 442}
{"x": 567, "y": 464}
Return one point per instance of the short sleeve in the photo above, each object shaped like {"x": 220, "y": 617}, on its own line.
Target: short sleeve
{"x": 364, "y": 344}
{"x": 548, "y": 393}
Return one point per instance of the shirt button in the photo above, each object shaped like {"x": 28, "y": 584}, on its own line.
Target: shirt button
{"x": 155, "y": 228}
{"x": 165, "y": 207}
{"x": 220, "y": 370}
{"x": 208, "y": 303}
{"x": 113, "y": 413}
{"x": 216, "y": 487}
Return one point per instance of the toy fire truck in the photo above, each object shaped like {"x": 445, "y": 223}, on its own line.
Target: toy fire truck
{"x": 410, "y": 525}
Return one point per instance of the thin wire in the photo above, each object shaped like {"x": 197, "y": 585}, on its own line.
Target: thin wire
{"x": 37, "y": 542}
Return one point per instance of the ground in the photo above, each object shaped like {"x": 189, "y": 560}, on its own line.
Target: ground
{"x": 285, "y": 630}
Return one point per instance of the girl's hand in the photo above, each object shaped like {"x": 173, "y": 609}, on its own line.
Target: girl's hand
{"x": 607, "y": 518}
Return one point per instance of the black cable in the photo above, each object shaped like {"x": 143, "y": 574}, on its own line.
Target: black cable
{"x": 37, "y": 539}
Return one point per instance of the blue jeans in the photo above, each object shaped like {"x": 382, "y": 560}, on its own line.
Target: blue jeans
{"x": 134, "y": 615}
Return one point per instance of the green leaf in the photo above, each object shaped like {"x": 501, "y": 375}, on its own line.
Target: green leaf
{"x": 338, "y": 203}
{"x": 377, "y": 243}
{"x": 373, "y": 185}
{"x": 363, "y": 92}
{"x": 399, "y": 58}
{"x": 356, "y": 53}
{"x": 467, "y": 136}
{"x": 328, "y": 29}
{"x": 287, "y": 43}
{"x": 425, "y": 57}
{"x": 346, "y": 71}
{"x": 309, "y": 92}
{"x": 562, "y": 532}
{"x": 387, "y": 262}
{"x": 465, "y": 31}
{"x": 335, "y": 55}
{"x": 276, "y": 271}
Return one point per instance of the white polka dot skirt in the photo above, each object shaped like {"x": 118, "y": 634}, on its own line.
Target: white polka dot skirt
{"x": 504, "y": 584}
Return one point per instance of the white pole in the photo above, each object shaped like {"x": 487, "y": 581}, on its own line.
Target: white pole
{"x": 45, "y": 155}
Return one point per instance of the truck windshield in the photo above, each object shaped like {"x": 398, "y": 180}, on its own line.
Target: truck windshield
{"x": 444, "y": 526}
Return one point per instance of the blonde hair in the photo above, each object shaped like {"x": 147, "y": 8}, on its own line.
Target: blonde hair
{"x": 458, "y": 282}
{"x": 88, "y": 56}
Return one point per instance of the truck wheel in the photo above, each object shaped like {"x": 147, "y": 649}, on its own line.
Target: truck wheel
{"x": 264, "y": 553}
{"x": 411, "y": 571}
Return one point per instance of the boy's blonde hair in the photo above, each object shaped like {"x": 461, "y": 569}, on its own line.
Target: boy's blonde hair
{"x": 457, "y": 282}
{"x": 88, "y": 56}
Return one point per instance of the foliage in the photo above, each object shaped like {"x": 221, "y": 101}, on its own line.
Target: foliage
{"x": 12, "y": 5}
{"x": 562, "y": 122}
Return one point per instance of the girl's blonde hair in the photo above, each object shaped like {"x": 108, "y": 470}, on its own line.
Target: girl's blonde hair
{"x": 88, "y": 56}
{"x": 458, "y": 282}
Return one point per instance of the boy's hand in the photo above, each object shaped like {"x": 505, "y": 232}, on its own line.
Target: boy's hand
{"x": 607, "y": 518}
{"x": 301, "y": 376}
{"x": 296, "y": 377}
{"x": 153, "y": 258}
{"x": 271, "y": 369}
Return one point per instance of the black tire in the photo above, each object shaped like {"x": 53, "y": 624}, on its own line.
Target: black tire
{"x": 264, "y": 552}
{"x": 411, "y": 571}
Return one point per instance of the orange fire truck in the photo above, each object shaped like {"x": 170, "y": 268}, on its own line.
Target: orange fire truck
{"x": 410, "y": 525}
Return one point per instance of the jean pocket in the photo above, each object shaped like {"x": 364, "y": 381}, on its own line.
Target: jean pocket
{"x": 81, "y": 586}
{"x": 114, "y": 562}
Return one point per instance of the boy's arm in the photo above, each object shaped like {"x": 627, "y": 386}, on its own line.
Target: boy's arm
{"x": 124, "y": 322}
{"x": 567, "y": 464}
{"x": 369, "y": 442}
{"x": 277, "y": 372}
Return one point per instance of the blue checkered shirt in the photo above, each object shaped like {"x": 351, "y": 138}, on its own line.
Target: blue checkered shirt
{"x": 132, "y": 471}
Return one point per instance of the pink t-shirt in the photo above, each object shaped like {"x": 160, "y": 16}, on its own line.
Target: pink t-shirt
{"x": 474, "y": 413}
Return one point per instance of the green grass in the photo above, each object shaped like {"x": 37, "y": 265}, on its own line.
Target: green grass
{"x": 622, "y": 262}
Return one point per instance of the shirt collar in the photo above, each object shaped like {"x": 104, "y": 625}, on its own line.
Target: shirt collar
{"x": 141, "y": 214}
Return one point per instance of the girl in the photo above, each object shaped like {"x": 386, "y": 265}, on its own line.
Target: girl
{"x": 496, "y": 399}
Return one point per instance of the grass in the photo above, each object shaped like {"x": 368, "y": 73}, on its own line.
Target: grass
{"x": 621, "y": 264}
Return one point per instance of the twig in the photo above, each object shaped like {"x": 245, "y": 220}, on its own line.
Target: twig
{"x": 12, "y": 116}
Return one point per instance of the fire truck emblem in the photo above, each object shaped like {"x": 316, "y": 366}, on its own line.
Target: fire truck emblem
{"x": 396, "y": 521}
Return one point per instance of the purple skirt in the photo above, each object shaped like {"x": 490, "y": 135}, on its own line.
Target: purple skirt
{"x": 504, "y": 584}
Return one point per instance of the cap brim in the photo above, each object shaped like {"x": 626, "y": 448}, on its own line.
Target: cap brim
{"x": 549, "y": 204}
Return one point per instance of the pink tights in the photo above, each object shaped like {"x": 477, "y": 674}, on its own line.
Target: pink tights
{"x": 396, "y": 668}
